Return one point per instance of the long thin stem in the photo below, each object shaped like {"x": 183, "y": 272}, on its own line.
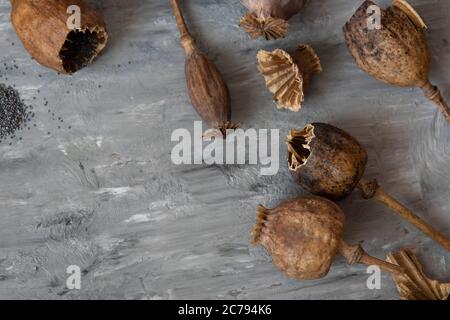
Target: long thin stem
{"x": 187, "y": 41}
{"x": 356, "y": 254}
{"x": 371, "y": 189}
{"x": 433, "y": 93}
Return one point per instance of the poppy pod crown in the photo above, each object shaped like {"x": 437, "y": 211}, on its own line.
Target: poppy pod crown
{"x": 269, "y": 18}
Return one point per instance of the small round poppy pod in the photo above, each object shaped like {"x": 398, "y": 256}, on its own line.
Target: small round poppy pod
{"x": 269, "y": 18}
{"x": 304, "y": 235}
{"x": 397, "y": 52}
{"x": 325, "y": 160}
{"x": 287, "y": 75}
{"x": 42, "y": 26}
{"x": 329, "y": 162}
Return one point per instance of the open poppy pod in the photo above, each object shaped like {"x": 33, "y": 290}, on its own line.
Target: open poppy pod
{"x": 42, "y": 27}
{"x": 269, "y": 18}
{"x": 329, "y": 162}
{"x": 287, "y": 75}
{"x": 304, "y": 235}
{"x": 397, "y": 53}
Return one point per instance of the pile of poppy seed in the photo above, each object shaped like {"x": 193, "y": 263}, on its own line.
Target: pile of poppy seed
{"x": 14, "y": 113}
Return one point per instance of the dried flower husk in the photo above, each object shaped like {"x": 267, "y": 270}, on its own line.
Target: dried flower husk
{"x": 396, "y": 54}
{"x": 414, "y": 284}
{"x": 42, "y": 27}
{"x": 329, "y": 162}
{"x": 208, "y": 91}
{"x": 269, "y": 18}
{"x": 287, "y": 75}
{"x": 304, "y": 235}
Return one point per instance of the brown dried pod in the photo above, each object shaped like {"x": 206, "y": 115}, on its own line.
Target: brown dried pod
{"x": 413, "y": 284}
{"x": 304, "y": 235}
{"x": 287, "y": 75}
{"x": 208, "y": 91}
{"x": 269, "y": 18}
{"x": 42, "y": 27}
{"x": 329, "y": 162}
{"x": 397, "y": 53}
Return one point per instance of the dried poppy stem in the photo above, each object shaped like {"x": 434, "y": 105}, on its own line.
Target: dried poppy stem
{"x": 371, "y": 190}
{"x": 329, "y": 162}
{"x": 42, "y": 27}
{"x": 208, "y": 91}
{"x": 356, "y": 254}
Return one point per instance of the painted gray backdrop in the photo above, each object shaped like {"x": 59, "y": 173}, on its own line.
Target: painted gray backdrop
{"x": 104, "y": 194}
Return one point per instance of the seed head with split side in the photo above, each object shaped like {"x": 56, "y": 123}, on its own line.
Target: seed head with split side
{"x": 304, "y": 235}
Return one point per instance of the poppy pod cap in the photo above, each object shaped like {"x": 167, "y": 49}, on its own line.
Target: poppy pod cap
{"x": 269, "y": 18}
{"x": 302, "y": 235}
{"x": 325, "y": 160}
{"x": 42, "y": 26}
{"x": 287, "y": 75}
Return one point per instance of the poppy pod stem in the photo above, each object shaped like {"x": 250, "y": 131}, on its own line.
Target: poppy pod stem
{"x": 356, "y": 254}
{"x": 370, "y": 189}
{"x": 433, "y": 94}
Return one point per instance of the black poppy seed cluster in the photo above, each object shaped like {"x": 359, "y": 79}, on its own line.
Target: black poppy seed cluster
{"x": 14, "y": 113}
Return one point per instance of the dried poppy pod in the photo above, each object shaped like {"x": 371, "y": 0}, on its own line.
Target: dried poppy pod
{"x": 287, "y": 75}
{"x": 329, "y": 162}
{"x": 397, "y": 53}
{"x": 43, "y": 29}
{"x": 304, "y": 235}
{"x": 269, "y": 18}
{"x": 208, "y": 91}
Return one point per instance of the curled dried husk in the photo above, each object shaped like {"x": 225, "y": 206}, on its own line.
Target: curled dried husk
{"x": 269, "y": 18}
{"x": 397, "y": 53}
{"x": 325, "y": 160}
{"x": 42, "y": 27}
{"x": 414, "y": 284}
{"x": 287, "y": 75}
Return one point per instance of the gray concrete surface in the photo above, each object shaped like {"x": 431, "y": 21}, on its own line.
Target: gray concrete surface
{"x": 104, "y": 194}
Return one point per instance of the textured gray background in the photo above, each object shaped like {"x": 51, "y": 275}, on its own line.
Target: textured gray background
{"x": 105, "y": 196}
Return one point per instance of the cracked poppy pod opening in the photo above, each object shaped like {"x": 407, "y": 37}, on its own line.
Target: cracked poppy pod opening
{"x": 42, "y": 26}
{"x": 329, "y": 162}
